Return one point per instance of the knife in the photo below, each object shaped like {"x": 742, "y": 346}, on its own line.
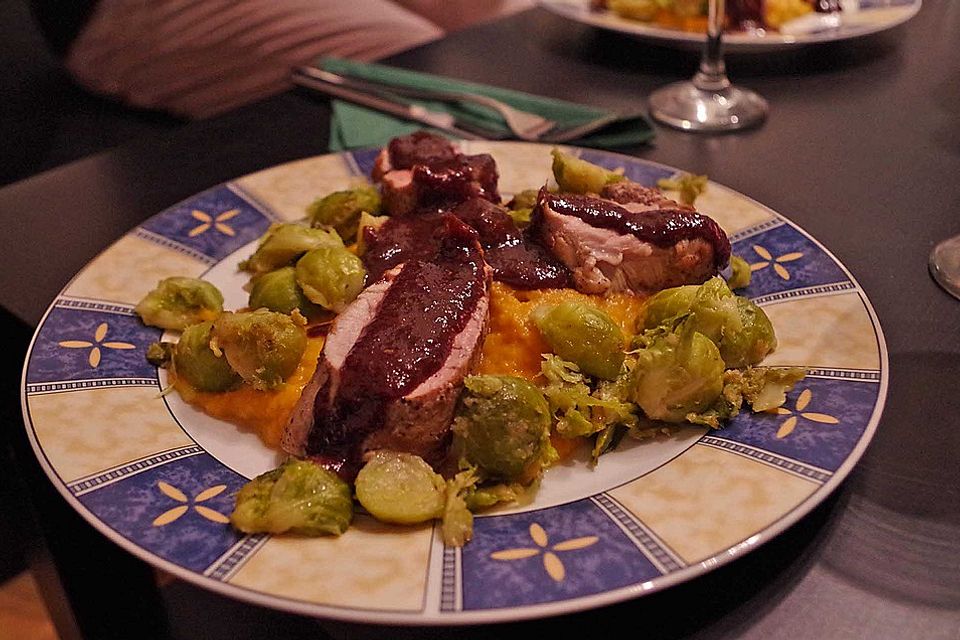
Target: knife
{"x": 318, "y": 80}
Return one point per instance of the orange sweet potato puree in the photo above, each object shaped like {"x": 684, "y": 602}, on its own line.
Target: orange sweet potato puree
{"x": 512, "y": 347}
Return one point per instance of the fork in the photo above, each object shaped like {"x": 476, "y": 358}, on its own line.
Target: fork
{"x": 523, "y": 125}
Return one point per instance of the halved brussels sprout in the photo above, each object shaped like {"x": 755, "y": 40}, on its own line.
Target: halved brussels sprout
{"x": 739, "y": 327}
{"x": 753, "y": 341}
{"x": 263, "y": 346}
{"x": 284, "y": 243}
{"x": 341, "y": 209}
{"x": 195, "y": 361}
{"x": 677, "y": 374}
{"x": 331, "y": 277}
{"x": 584, "y": 335}
{"x": 400, "y": 488}
{"x": 299, "y": 497}
{"x": 278, "y": 291}
{"x": 178, "y": 302}
{"x": 579, "y": 176}
{"x": 502, "y": 427}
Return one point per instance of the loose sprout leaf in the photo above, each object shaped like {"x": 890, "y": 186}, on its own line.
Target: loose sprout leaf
{"x": 457, "y": 524}
{"x": 688, "y": 185}
{"x": 579, "y": 176}
{"x": 740, "y": 273}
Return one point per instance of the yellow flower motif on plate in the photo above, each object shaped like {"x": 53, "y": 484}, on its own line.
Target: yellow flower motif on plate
{"x": 777, "y": 262}
{"x": 217, "y": 222}
{"x": 171, "y": 515}
{"x": 803, "y": 401}
{"x": 551, "y": 561}
{"x": 93, "y": 359}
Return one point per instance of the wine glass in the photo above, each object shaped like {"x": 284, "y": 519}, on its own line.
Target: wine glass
{"x": 945, "y": 265}
{"x": 708, "y": 102}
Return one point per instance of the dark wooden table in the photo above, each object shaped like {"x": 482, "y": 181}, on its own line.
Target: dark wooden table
{"x": 862, "y": 149}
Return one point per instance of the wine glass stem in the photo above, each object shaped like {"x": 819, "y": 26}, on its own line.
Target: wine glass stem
{"x": 712, "y": 75}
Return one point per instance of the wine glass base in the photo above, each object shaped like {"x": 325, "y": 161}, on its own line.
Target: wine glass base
{"x": 683, "y": 106}
{"x": 945, "y": 265}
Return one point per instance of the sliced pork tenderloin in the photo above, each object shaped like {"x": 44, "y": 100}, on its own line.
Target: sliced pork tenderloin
{"x": 394, "y": 362}
{"x": 609, "y": 248}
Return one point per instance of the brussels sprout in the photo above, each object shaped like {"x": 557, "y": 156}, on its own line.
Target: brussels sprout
{"x": 400, "y": 488}
{"x": 688, "y": 185}
{"x": 278, "y": 291}
{"x": 263, "y": 346}
{"x": 341, "y": 210}
{"x": 740, "y": 328}
{"x": 367, "y": 220}
{"x": 298, "y": 497}
{"x": 677, "y": 374}
{"x": 179, "y": 302}
{"x": 195, "y": 362}
{"x": 753, "y": 341}
{"x": 520, "y": 207}
{"x": 457, "y": 525}
{"x": 502, "y": 426}
{"x": 579, "y": 176}
{"x": 643, "y": 10}
{"x": 331, "y": 277}
{"x": 583, "y": 335}
{"x": 284, "y": 243}
{"x": 739, "y": 273}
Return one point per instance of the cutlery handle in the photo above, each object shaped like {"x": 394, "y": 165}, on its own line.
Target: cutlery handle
{"x": 415, "y": 113}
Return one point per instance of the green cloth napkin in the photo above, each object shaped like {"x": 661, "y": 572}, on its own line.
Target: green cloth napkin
{"x": 353, "y": 126}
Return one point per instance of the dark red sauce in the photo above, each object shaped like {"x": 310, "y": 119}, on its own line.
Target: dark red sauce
{"x": 450, "y": 182}
{"x": 515, "y": 258}
{"x": 660, "y": 227}
{"x": 410, "y": 336}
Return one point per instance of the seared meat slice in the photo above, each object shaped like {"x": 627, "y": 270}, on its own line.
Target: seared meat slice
{"x": 394, "y": 361}
{"x": 514, "y": 257}
{"x": 636, "y": 197}
{"x": 420, "y": 147}
{"x": 609, "y": 248}
{"x": 424, "y": 171}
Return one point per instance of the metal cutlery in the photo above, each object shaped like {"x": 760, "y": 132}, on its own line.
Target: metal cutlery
{"x": 523, "y": 125}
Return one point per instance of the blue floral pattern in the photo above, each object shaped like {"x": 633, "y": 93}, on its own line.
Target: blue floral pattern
{"x": 91, "y": 343}
{"x": 215, "y": 223}
{"x": 177, "y": 511}
{"x": 553, "y": 554}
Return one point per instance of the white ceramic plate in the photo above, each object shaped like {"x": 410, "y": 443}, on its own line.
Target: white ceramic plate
{"x": 159, "y": 478}
{"x": 859, "y": 18}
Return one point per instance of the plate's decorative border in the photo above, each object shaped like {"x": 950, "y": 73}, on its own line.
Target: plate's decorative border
{"x": 169, "y": 503}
